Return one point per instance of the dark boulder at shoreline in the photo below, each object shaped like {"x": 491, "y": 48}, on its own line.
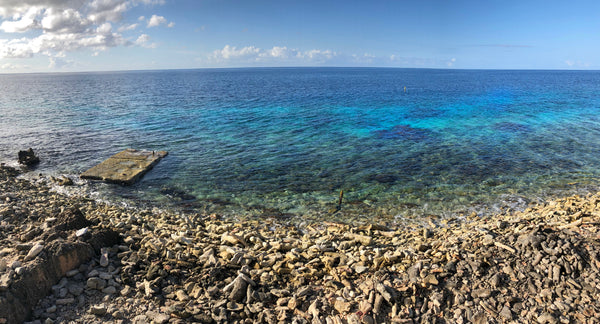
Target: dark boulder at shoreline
{"x": 28, "y": 158}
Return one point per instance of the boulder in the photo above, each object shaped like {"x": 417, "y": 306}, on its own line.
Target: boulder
{"x": 28, "y": 158}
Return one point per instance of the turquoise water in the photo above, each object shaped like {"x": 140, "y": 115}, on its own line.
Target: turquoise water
{"x": 283, "y": 142}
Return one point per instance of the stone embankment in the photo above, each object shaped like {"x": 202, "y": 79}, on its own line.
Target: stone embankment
{"x": 539, "y": 265}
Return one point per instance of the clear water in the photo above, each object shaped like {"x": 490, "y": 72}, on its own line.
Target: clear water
{"x": 283, "y": 142}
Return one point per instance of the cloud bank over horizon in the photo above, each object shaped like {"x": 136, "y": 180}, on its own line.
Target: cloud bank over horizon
{"x": 284, "y": 56}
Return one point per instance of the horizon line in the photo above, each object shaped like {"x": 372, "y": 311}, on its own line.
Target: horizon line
{"x": 301, "y": 67}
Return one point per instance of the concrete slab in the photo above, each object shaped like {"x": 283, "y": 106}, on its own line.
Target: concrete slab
{"x": 125, "y": 167}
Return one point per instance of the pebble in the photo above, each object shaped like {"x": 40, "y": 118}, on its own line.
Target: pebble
{"x": 98, "y": 310}
{"x": 35, "y": 250}
{"x": 65, "y": 301}
{"x": 158, "y": 318}
{"x": 481, "y": 293}
{"x": 126, "y": 291}
{"x": 72, "y": 273}
{"x": 547, "y": 318}
{"x": 149, "y": 289}
{"x": 431, "y": 279}
{"x": 82, "y": 231}
{"x": 96, "y": 283}
{"x": 360, "y": 269}
{"x": 15, "y": 264}
{"x": 105, "y": 275}
{"x": 506, "y": 313}
{"x": 75, "y": 290}
{"x": 181, "y": 295}
{"x": 104, "y": 257}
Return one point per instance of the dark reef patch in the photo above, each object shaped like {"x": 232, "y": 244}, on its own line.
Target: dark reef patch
{"x": 404, "y": 132}
{"x": 383, "y": 178}
{"x": 511, "y": 127}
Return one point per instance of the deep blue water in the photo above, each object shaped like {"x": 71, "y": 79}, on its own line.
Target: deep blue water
{"x": 284, "y": 142}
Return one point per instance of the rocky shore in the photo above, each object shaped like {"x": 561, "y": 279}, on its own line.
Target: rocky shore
{"x": 73, "y": 259}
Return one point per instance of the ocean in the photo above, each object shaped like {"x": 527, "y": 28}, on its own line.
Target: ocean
{"x": 283, "y": 142}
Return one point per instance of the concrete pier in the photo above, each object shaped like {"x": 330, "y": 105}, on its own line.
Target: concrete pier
{"x": 125, "y": 167}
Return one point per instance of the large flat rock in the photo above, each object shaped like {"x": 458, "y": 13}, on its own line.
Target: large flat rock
{"x": 125, "y": 167}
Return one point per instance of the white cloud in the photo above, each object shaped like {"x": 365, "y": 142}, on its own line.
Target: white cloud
{"x": 232, "y": 52}
{"x": 15, "y": 48}
{"x": 366, "y": 58}
{"x": 108, "y": 10}
{"x": 275, "y": 55}
{"x": 153, "y": 2}
{"x": 64, "y": 21}
{"x": 22, "y": 23}
{"x": 155, "y": 21}
{"x": 280, "y": 52}
{"x": 171, "y": 25}
{"x": 11, "y": 66}
{"x": 577, "y": 64}
{"x": 127, "y": 27}
{"x": 144, "y": 41}
{"x": 56, "y": 27}
{"x": 104, "y": 29}
{"x": 17, "y": 8}
{"x": 58, "y": 63}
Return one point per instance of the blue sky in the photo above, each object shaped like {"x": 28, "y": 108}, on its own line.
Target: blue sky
{"x": 100, "y": 35}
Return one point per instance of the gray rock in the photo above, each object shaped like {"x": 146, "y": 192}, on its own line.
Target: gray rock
{"x": 360, "y": 269}
{"x": 98, "y": 310}
{"x": 158, "y": 318}
{"x": 238, "y": 291}
{"x": 65, "y": 301}
{"x": 105, "y": 275}
{"x": 35, "y": 250}
{"x": 547, "y": 318}
{"x": 81, "y": 232}
{"x": 72, "y": 273}
{"x": 506, "y": 313}
{"x": 62, "y": 293}
{"x": 149, "y": 289}
{"x": 104, "y": 257}
{"x": 481, "y": 293}
{"x": 75, "y": 290}
{"x": 126, "y": 291}
{"x": 96, "y": 283}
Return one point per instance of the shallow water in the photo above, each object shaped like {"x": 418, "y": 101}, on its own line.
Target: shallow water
{"x": 284, "y": 142}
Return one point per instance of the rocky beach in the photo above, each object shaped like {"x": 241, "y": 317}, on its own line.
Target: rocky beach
{"x": 74, "y": 259}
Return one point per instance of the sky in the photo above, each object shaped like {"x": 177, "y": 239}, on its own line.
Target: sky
{"x": 109, "y": 35}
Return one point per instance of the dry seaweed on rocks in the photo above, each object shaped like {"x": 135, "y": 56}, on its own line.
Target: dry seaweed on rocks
{"x": 540, "y": 265}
